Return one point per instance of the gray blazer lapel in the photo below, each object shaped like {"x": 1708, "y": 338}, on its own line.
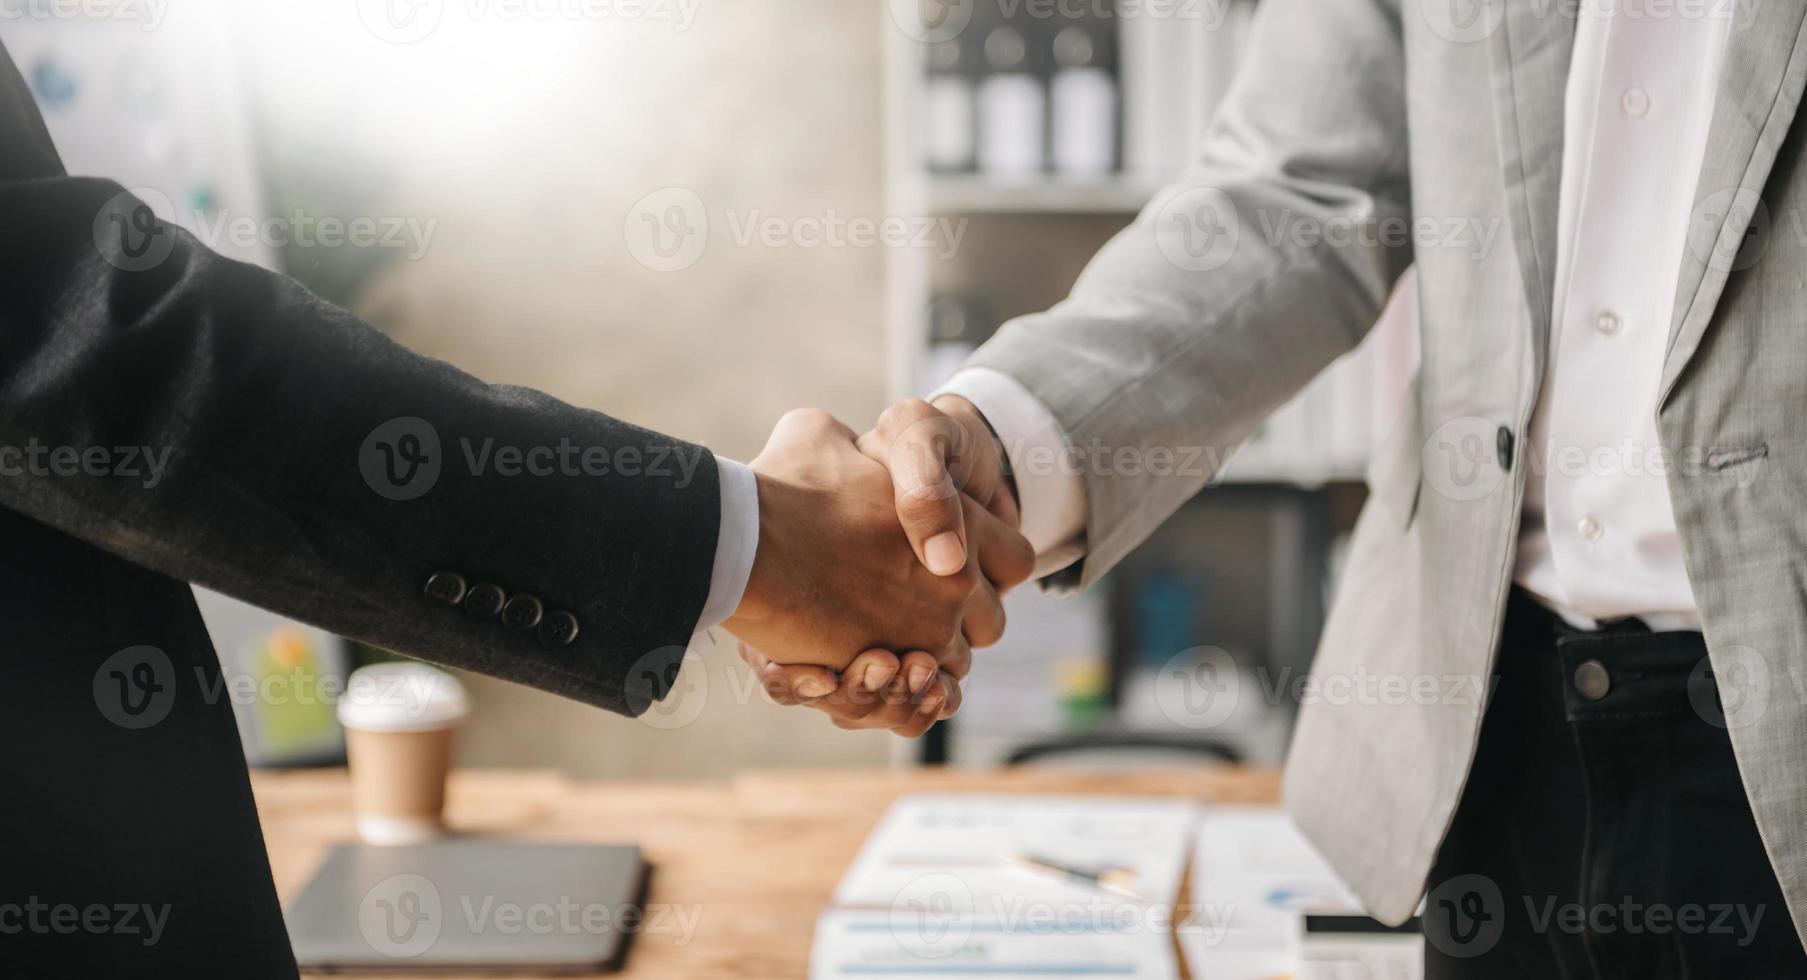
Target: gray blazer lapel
{"x": 1529, "y": 54}
{"x": 1759, "y": 91}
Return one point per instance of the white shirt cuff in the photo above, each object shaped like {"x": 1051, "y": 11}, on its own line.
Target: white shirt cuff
{"x": 1050, "y": 490}
{"x": 735, "y": 543}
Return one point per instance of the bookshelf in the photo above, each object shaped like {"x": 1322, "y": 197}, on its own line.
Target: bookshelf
{"x": 1026, "y": 238}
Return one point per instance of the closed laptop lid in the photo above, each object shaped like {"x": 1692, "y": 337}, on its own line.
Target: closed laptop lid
{"x": 470, "y": 905}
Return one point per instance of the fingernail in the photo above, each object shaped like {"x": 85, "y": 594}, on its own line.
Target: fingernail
{"x": 945, "y": 554}
{"x": 931, "y": 705}
{"x": 814, "y": 686}
{"x": 875, "y": 678}
{"x": 920, "y": 677}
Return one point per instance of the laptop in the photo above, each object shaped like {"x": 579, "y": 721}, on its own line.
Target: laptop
{"x": 470, "y": 906}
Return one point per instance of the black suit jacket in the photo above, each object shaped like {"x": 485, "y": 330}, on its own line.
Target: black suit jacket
{"x": 301, "y": 475}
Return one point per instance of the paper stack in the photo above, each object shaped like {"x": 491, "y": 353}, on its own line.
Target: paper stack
{"x": 1255, "y": 880}
{"x": 942, "y": 889}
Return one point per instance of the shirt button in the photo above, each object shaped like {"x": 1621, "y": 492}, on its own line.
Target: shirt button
{"x": 1592, "y": 680}
{"x": 1635, "y": 102}
{"x": 1590, "y": 529}
{"x": 1608, "y": 322}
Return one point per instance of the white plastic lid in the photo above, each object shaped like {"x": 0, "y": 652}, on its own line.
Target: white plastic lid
{"x": 402, "y": 697}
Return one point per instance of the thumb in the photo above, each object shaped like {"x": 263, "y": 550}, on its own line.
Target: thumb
{"x": 928, "y": 502}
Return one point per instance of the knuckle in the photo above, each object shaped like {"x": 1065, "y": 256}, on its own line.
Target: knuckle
{"x": 986, "y": 630}
{"x": 901, "y": 415}
{"x": 814, "y": 419}
{"x": 940, "y": 634}
{"x": 928, "y": 502}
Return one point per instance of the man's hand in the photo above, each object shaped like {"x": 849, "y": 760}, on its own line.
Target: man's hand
{"x": 835, "y": 575}
{"x": 878, "y": 690}
{"x": 942, "y": 458}
{"x": 936, "y": 454}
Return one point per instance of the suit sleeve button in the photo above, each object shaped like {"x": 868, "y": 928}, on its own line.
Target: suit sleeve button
{"x": 485, "y": 600}
{"x": 446, "y": 587}
{"x": 522, "y": 612}
{"x": 558, "y": 629}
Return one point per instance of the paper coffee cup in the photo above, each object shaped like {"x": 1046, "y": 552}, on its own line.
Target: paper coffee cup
{"x": 399, "y": 719}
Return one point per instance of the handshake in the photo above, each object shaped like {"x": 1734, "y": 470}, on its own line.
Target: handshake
{"x": 882, "y": 562}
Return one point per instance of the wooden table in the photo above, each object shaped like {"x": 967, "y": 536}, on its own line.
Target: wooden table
{"x": 751, "y": 862}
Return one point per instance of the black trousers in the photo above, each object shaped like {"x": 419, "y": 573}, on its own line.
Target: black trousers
{"x": 1604, "y": 830}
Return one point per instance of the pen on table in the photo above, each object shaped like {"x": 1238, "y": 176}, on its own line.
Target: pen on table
{"x": 1118, "y": 880}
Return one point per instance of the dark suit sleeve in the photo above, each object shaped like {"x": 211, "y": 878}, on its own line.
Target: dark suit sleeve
{"x": 286, "y": 478}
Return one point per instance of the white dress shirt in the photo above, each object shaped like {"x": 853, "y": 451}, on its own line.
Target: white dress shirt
{"x": 735, "y": 543}
{"x": 1598, "y": 541}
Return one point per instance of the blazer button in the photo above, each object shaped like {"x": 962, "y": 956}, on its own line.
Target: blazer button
{"x": 1503, "y": 442}
{"x": 558, "y": 629}
{"x": 485, "y": 600}
{"x": 522, "y": 612}
{"x": 446, "y": 587}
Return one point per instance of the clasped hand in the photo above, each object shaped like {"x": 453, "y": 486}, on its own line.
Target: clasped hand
{"x": 882, "y": 562}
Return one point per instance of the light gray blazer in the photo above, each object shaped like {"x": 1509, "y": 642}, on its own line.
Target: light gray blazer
{"x": 1220, "y": 302}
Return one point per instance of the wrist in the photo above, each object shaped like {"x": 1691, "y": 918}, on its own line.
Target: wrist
{"x": 761, "y": 602}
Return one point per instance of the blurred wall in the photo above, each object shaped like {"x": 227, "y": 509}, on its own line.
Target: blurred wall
{"x": 527, "y": 144}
